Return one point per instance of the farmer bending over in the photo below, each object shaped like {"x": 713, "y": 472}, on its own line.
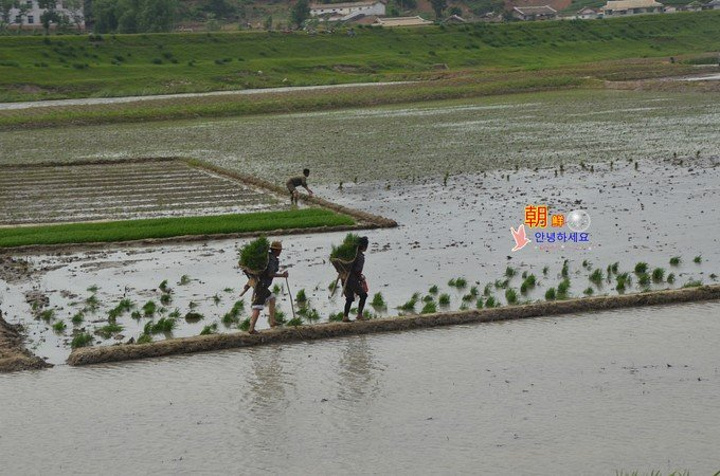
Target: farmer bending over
{"x": 295, "y": 182}
{"x": 262, "y": 295}
{"x": 356, "y": 283}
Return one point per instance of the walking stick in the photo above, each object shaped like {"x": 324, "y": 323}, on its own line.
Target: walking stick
{"x": 292, "y": 306}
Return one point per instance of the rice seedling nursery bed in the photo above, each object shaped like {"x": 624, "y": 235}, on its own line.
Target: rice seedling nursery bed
{"x": 153, "y": 199}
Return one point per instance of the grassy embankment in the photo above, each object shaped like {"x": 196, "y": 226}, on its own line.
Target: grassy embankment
{"x": 118, "y": 65}
{"x": 128, "y": 230}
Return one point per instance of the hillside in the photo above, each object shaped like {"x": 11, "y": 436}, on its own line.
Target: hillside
{"x": 34, "y": 67}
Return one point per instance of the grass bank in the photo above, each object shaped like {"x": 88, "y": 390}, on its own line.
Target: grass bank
{"x": 130, "y": 230}
{"x": 119, "y": 65}
{"x": 286, "y": 101}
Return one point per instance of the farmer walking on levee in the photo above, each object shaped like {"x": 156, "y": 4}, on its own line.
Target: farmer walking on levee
{"x": 349, "y": 260}
{"x": 261, "y": 277}
{"x": 300, "y": 181}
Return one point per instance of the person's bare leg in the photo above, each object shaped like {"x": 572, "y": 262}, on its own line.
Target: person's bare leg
{"x": 271, "y": 311}
{"x": 346, "y": 311}
{"x": 253, "y": 319}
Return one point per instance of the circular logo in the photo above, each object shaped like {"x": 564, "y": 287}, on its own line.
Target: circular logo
{"x": 578, "y": 220}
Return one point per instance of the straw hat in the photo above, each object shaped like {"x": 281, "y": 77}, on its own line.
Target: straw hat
{"x": 276, "y": 245}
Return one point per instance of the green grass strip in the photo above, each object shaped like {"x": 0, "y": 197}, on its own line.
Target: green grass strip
{"x": 127, "y": 230}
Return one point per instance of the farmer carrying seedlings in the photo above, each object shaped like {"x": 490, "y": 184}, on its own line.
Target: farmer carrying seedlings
{"x": 355, "y": 282}
{"x": 262, "y": 295}
{"x": 295, "y": 182}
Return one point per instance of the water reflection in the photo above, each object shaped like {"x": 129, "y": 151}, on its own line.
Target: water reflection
{"x": 358, "y": 374}
{"x": 267, "y": 382}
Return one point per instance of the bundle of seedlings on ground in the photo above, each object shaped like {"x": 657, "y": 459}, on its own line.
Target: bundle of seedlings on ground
{"x": 81, "y": 340}
{"x": 511, "y": 296}
{"x": 378, "y": 302}
{"x": 144, "y": 339}
{"x": 109, "y": 330}
{"x": 212, "y": 329}
{"x": 192, "y": 317}
{"x": 254, "y": 256}
{"x": 308, "y": 313}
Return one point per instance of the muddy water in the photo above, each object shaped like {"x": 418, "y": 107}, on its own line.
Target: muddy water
{"x": 584, "y": 395}
{"x": 461, "y": 229}
{"x": 402, "y": 142}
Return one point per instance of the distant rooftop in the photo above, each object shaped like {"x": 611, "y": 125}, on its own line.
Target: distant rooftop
{"x": 403, "y": 21}
{"x": 630, "y": 4}
{"x": 535, "y": 10}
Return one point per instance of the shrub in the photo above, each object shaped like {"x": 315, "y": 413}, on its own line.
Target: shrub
{"x": 675, "y": 261}
{"x": 550, "y": 294}
{"x": 671, "y": 278}
{"x": 444, "y": 300}
{"x": 490, "y": 302}
{"x": 212, "y": 329}
{"x": 479, "y": 303}
{"x": 658, "y": 274}
{"x": 429, "y": 308}
{"x": 433, "y": 289}
{"x": 588, "y": 292}
{"x": 59, "y": 326}
{"x": 300, "y": 297}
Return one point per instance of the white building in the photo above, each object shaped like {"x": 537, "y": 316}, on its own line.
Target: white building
{"x": 631, "y": 7}
{"x": 339, "y": 10}
{"x": 402, "y": 21}
{"x": 28, "y": 16}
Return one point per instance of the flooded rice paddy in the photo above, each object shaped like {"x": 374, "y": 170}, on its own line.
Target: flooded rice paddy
{"x": 524, "y": 130}
{"x": 582, "y": 395}
{"x": 632, "y": 390}
{"x": 457, "y": 230}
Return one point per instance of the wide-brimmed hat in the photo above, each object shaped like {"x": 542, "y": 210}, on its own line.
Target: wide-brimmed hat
{"x": 276, "y": 245}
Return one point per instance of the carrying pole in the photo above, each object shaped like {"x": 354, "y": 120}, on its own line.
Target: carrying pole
{"x": 292, "y": 306}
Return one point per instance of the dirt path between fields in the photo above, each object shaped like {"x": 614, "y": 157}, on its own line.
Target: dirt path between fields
{"x": 116, "y": 353}
{"x": 13, "y": 356}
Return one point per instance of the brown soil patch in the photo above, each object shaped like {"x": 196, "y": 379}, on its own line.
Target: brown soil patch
{"x": 96, "y": 355}
{"x": 13, "y": 356}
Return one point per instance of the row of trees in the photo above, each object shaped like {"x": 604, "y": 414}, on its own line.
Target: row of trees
{"x": 133, "y": 16}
